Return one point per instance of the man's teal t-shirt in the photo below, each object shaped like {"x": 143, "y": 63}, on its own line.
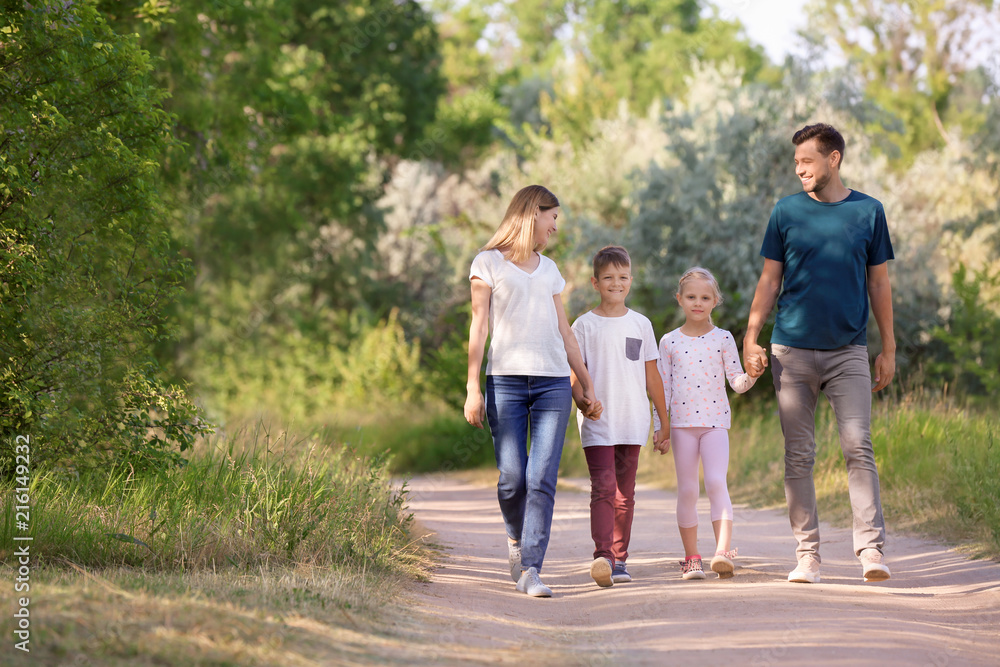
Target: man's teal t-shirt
{"x": 826, "y": 249}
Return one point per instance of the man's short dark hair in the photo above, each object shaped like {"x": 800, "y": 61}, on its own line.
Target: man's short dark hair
{"x": 826, "y": 136}
{"x": 608, "y": 255}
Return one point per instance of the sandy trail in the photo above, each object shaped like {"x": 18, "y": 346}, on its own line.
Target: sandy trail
{"x": 938, "y": 609}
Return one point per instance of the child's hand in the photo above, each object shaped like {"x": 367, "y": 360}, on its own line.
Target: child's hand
{"x": 755, "y": 360}
{"x": 589, "y": 406}
{"x": 755, "y": 365}
{"x": 661, "y": 440}
{"x": 594, "y": 411}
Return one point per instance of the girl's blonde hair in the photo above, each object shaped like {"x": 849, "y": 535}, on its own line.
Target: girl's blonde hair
{"x": 516, "y": 235}
{"x": 698, "y": 272}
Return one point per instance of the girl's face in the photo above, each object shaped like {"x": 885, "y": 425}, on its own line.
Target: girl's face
{"x": 697, "y": 299}
{"x": 545, "y": 225}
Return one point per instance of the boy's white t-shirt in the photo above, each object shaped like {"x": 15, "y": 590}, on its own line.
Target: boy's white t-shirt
{"x": 615, "y": 351}
{"x": 524, "y": 325}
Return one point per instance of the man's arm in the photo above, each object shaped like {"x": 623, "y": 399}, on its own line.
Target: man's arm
{"x": 880, "y": 295}
{"x": 764, "y": 299}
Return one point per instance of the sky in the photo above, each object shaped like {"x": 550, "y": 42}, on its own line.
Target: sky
{"x": 770, "y": 23}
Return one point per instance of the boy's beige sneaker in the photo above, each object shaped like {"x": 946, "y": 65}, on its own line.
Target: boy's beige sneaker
{"x": 601, "y": 570}
{"x": 806, "y": 572}
{"x": 874, "y": 568}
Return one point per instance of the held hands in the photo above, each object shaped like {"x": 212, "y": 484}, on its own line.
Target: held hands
{"x": 589, "y": 406}
{"x": 661, "y": 440}
{"x": 755, "y": 359}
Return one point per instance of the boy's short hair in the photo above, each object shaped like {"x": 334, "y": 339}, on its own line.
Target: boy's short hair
{"x": 608, "y": 255}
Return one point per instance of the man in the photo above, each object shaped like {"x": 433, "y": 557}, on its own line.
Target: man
{"x": 825, "y": 255}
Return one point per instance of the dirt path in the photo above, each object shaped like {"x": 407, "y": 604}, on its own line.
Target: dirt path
{"x": 938, "y": 609}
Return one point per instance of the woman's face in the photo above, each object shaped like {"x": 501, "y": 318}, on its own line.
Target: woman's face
{"x": 545, "y": 225}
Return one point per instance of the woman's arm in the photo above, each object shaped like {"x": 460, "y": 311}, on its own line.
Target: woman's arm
{"x": 588, "y": 403}
{"x": 475, "y": 409}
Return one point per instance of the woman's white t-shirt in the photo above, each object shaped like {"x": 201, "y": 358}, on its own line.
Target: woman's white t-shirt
{"x": 524, "y": 325}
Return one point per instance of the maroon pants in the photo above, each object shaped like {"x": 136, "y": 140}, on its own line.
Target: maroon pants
{"x": 612, "y": 498}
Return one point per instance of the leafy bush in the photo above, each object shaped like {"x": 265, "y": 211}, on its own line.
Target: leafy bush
{"x": 971, "y": 334}
{"x": 86, "y": 260}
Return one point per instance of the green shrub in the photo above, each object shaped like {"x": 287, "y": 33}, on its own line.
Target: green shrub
{"x": 87, "y": 262}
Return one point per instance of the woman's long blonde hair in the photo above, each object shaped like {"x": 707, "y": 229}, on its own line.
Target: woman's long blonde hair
{"x": 515, "y": 237}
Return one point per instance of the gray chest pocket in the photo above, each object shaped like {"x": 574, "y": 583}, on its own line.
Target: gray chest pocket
{"x": 632, "y": 348}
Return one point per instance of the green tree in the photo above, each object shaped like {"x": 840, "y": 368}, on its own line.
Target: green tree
{"x": 707, "y": 204}
{"x": 88, "y": 263}
{"x": 915, "y": 58}
{"x": 291, "y": 118}
{"x": 972, "y": 363}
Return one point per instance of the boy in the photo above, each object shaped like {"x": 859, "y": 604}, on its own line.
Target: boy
{"x": 620, "y": 353}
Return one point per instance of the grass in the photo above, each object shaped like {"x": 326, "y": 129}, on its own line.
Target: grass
{"x": 264, "y": 549}
{"x": 252, "y": 501}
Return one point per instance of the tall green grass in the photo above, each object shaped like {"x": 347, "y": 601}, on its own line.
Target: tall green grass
{"x": 250, "y": 501}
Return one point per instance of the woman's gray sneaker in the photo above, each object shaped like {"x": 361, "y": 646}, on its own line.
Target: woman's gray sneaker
{"x": 514, "y": 558}
{"x": 531, "y": 584}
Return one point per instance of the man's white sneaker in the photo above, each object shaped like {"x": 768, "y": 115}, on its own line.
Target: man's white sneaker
{"x": 806, "y": 572}
{"x": 874, "y": 568}
{"x": 531, "y": 584}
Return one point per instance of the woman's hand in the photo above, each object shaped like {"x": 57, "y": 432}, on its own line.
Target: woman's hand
{"x": 475, "y": 408}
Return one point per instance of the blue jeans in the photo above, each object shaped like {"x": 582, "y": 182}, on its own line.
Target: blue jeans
{"x": 527, "y": 485}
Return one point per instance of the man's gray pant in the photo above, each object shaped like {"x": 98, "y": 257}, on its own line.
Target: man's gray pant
{"x": 845, "y": 377}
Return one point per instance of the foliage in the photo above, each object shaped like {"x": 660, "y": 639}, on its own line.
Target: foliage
{"x": 567, "y": 64}
{"x": 729, "y": 162}
{"x": 292, "y": 376}
{"x": 915, "y": 58}
{"x": 292, "y": 115}
{"x": 88, "y": 264}
{"x": 971, "y": 332}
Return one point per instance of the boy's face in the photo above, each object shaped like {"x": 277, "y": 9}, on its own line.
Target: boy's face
{"x": 613, "y": 282}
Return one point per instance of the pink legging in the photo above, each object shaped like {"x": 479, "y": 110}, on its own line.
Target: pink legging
{"x": 711, "y": 445}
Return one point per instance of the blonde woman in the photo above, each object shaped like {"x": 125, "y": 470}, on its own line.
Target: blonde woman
{"x": 516, "y": 300}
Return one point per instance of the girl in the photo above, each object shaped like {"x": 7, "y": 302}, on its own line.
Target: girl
{"x": 695, "y": 361}
{"x": 516, "y": 298}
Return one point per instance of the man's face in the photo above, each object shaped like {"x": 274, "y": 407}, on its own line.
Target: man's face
{"x": 812, "y": 167}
